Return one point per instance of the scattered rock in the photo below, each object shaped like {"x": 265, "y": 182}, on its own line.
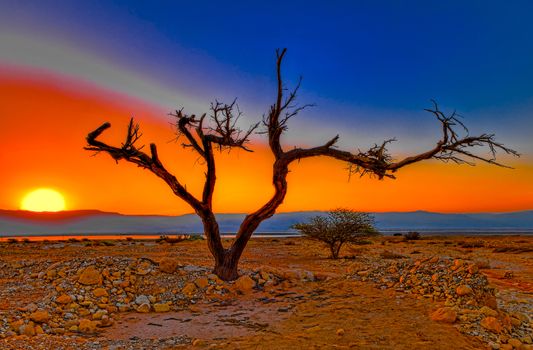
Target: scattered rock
{"x": 201, "y": 282}
{"x": 38, "y": 330}
{"x": 198, "y": 342}
{"x": 492, "y": 324}
{"x": 87, "y": 326}
{"x": 142, "y": 299}
{"x": 487, "y": 311}
{"x": 144, "y": 308}
{"x": 100, "y": 292}
{"x": 472, "y": 269}
{"x": 444, "y": 314}
{"x": 463, "y": 290}
{"x": 40, "y": 316}
{"x": 244, "y": 284}
{"x": 27, "y": 329}
{"x": 144, "y": 268}
{"x": 168, "y": 265}
{"x": 99, "y": 314}
{"x": 31, "y": 307}
{"x": 90, "y": 276}
{"x": 515, "y": 343}
{"x": 189, "y": 289}
{"x": 63, "y": 299}
{"x": 161, "y": 307}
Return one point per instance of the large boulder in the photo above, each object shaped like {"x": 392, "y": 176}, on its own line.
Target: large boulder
{"x": 244, "y": 284}
{"x": 444, "y": 314}
{"x": 87, "y": 326}
{"x": 492, "y": 324}
{"x": 168, "y": 265}
{"x": 40, "y": 316}
{"x": 90, "y": 276}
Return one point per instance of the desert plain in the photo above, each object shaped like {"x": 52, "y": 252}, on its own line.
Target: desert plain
{"x": 437, "y": 292}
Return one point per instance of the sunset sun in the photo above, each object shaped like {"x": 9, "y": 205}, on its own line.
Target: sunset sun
{"x": 43, "y": 199}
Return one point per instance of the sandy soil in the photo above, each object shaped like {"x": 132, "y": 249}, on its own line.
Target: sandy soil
{"x": 331, "y": 310}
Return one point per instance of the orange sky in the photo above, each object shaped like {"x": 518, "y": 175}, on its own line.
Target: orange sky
{"x": 42, "y": 131}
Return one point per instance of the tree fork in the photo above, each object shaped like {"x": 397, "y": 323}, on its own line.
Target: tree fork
{"x": 219, "y": 130}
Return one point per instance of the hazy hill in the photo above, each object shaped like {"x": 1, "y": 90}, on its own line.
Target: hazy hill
{"x": 14, "y": 222}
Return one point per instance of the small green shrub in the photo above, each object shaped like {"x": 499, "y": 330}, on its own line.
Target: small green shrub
{"x": 362, "y": 242}
{"x": 340, "y": 226}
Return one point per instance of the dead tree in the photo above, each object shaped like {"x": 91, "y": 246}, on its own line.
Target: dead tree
{"x": 219, "y": 130}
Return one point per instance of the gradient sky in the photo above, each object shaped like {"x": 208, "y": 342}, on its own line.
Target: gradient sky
{"x": 68, "y": 66}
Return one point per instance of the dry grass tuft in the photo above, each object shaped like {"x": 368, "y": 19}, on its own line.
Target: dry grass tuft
{"x": 387, "y": 254}
{"x": 514, "y": 250}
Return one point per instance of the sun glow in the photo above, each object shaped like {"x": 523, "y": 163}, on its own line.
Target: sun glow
{"x": 43, "y": 199}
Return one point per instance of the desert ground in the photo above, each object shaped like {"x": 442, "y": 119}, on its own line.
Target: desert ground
{"x": 388, "y": 293}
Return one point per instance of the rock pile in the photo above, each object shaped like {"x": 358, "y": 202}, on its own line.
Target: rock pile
{"x": 83, "y": 295}
{"x": 452, "y": 281}
{"x": 464, "y": 294}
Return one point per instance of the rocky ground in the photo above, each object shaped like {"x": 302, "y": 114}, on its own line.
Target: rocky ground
{"x": 432, "y": 293}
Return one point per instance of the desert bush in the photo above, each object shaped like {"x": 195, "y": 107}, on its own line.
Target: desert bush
{"x": 412, "y": 236}
{"x": 475, "y": 244}
{"x": 362, "y": 242}
{"x": 193, "y": 237}
{"x": 340, "y": 226}
{"x": 397, "y": 234}
{"x": 12, "y": 240}
{"x": 175, "y": 239}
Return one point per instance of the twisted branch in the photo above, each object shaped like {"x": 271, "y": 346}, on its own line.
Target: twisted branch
{"x": 220, "y": 130}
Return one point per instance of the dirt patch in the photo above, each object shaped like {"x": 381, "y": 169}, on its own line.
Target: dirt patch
{"x": 210, "y": 322}
{"x": 298, "y": 298}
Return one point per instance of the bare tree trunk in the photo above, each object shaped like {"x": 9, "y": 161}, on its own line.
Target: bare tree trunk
{"x": 333, "y": 250}
{"x": 227, "y": 267}
{"x": 338, "y": 249}
{"x": 222, "y": 133}
{"x": 226, "y": 262}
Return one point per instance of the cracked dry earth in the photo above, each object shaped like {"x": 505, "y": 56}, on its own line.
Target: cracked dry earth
{"x": 292, "y": 296}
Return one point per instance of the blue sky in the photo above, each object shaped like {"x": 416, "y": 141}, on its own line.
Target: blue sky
{"x": 366, "y": 62}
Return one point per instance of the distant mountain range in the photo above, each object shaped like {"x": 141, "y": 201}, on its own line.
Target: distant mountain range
{"x": 79, "y": 222}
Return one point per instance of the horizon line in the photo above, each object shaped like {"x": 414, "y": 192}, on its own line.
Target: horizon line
{"x": 244, "y": 213}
